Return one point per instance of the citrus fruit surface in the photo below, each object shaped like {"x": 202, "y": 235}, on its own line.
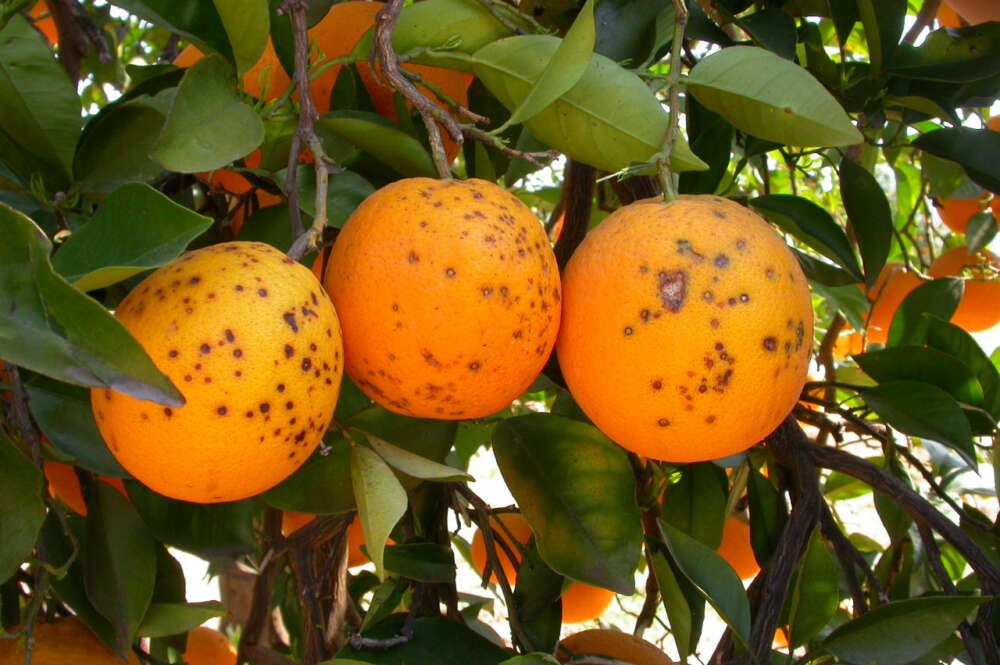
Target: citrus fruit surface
{"x": 206, "y": 646}
{"x": 253, "y": 343}
{"x": 448, "y": 292}
{"x": 675, "y": 318}
{"x": 956, "y": 213}
{"x": 979, "y": 308}
{"x": 611, "y": 644}
{"x": 65, "y": 642}
{"x": 65, "y": 486}
{"x": 888, "y": 292}
{"x": 735, "y": 547}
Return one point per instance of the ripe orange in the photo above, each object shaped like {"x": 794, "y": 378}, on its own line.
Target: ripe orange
{"x": 249, "y": 337}
{"x": 947, "y": 18}
{"x": 674, "y": 317}
{"x": 890, "y": 289}
{"x": 65, "y": 486}
{"x": 292, "y": 522}
{"x": 45, "y": 22}
{"x": 849, "y": 342}
{"x": 580, "y": 602}
{"x": 735, "y": 547}
{"x": 449, "y": 294}
{"x": 956, "y": 213}
{"x": 994, "y": 124}
{"x": 780, "y": 639}
{"x": 980, "y": 306}
{"x": 65, "y": 642}
{"x": 206, "y": 646}
{"x": 976, "y": 11}
{"x": 611, "y": 644}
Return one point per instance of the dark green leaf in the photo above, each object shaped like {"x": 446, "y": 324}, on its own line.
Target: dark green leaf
{"x": 897, "y": 523}
{"x": 247, "y": 24}
{"x": 763, "y": 94}
{"x": 901, "y": 631}
{"x": 916, "y": 363}
{"x": 40, "y": 111}
{"x": 938, "y": 298}
{"x": 696, "y": 504}
{"x": 382, "y": 140}
{"x": 627, "y": 30}
{"x": 119, "y": 563}
{"x": 883, "y": 22}
{"x": 810, "y": 224}
{"x": 712, "y": 140}
{"x": 951, "y": 55}
{"x": 538, "y": 598}
{"x": 714, "y": 579}
{"x": 920, "y": 409}
{"x": 974, "y": 149}
{"x": 675, "y": 602}
{"x": 49, "y": 327}
{"x": 816, "y": 594}
{"x": 22, "y": 510}
{"x": 869, "y": 215}
{"x": 196, "y": 21}
{"x": 209, "y": 124}
{"x": 423, "y": 562}
{"x": 414, "y": 465}
{"x": 345, "y": 192}
{"x": 381, "y": 501}
{"x": 436, "y": 641}
{"x": 823, "y": 272}
{"x": 772, "y": 29}
{"x": 164, "y": 619}
{"x": 576, "y": 489}
{"x": 322, "y": 485}
{"x": 768, "y": 514}
{"x": 980, "y": 232}
{"x": 115, "y": 145}
{"x": 136, "y": 229}
{"x": 386, "y": 597}
{"x": 951, "y": 339}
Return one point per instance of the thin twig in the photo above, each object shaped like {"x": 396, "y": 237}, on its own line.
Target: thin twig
{"x": 850, "y": 558}
{"x": 539, "y": 159}
{"x": 665, "y": 172}
{"x": 260, "y": 606}
{"x": 924, "y": 18}
{"x": 405, "y": 634}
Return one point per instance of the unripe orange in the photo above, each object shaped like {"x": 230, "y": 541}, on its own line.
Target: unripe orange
{"x": 251, "y": 340}
{"x": 448, "y": 292}
{"x": 675, "y": 318}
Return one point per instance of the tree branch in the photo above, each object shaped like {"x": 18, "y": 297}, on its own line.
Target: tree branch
{"x": 260, "y": 608}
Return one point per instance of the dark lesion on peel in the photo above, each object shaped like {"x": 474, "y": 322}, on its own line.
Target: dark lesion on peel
{"x": 671, "y": 289}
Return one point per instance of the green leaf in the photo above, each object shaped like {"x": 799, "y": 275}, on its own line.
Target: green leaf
{"x": 320, "y": 486}
{"x": 22, "y": 510}
{"x": 538, "y": 599}
{"x": 811, "y": 224}
{"x": 938, "y": 298}
{"x": 675, "y": 603}
{"x": 816, "y": 595}
{"x": 465, "y": 25}
{"x": 772, "y": 29}
{"x": 577, "y": 491}
{"x": 136, "y": 229}
{"x": 769, "y": 97}
{"x": 951, "y": 339}
{"x": 920, "y": 409}
{"x": 980, "y": 232}
{"x": 633, "y": 31}
{"x": 714, "y": 579}
{"x": 381, "y": 501}
{"x": 415, "y": 465}
{"x": 531, "y": 659}
{"x": 869, "y": 215}
{"x": 385, "y": 599}
{"x": 562, "y": 71}
{"x": 114, "y": 147}
{"x": 164, "y": 619}
{"x": 209, "y": 124}
{"x": 609, "y": 119}
{"x": 63, "y": 414}
{"x": 345, "y": 192}
{"x": 436, "y": 641}
{"x": 974, "y": 149}
{"x": 916, "y": 363}
{"x": 951, "y": 55}
{"x": 49, "y": 327}
{"x": 40, "y": 109}
{"x": 768, "y": 514}
{"x": 901, "y": 631}
{"x": 119, "y": 563}
{"x": 696, "y": 504}
{"x": 196, "y": 21}
{"x": 423, "y": 562}
{"x": 382, "y": 140}
{"x": 883, "y": 23}
{"x": 248, "y": 25}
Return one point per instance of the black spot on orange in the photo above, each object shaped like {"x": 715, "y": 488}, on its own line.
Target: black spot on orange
{"x": 262, "y": 293}
{"x": 672, "y": 289}
{"x": 238, "y": 287}
{"x": 289, "y": 405}
{"x": 187, "y": 377}
{"x": 230, "y": 337}
{"x": 721, "y": 261}
{"x": 412, "y": 257}
{"x": 289, "y": 350}
{"x": 222, "y": 411}
{"x": 306, "y": 364}
{"x": 264, "y": 407}
{"x": 663, "y": 422}
{"x": 289, "y": 318}
{"x": 168, "y": 412}
{"x": 657, "y": 384}
{"x": 474, "y": 366}
{"x": 627, "y": 332}
{"x": 644, "y": 315}
{"x": 249, "y": 414}
{"x": 710, "y": 419}
{"x": 770, "y": 344}
{"x": 205, "y": 348}
{"x": 173, "y": 353}
{"x": 449, "y": 272}
{"x": 194, "y": 280}
{"x": 744, "y": 298}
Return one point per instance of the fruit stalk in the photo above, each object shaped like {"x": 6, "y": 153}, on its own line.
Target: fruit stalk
{"x": 667, "y": 180}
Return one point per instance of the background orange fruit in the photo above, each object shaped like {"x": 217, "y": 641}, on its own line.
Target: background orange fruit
{"x": 979, "y": 308}
{"x": 735, "y": 547}
{"x": 65, "y": 486}
{"x": 206, "y": 646}
{"x": 44, "y": 21}
{"x": 583, "y": 602}
{"x": 250, "y": 339}
{"x": 292, "y": 522}
{"x": 611, "y": 644}
{"x": 887, "y": 294}
{"x": 448, "y": 292}
{"x": 956, "y": 213}
{"x": 66, "y": 642}
{"x": 976, "y": 11}
{"x": 947, "y": 18}
{"x": 674, "y": 316}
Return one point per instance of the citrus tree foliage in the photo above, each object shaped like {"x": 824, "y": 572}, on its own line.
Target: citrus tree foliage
{"x": 842, "y": 122}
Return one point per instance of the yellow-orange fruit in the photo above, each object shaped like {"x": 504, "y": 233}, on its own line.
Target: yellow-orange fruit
{"x": 956, "y": 213}
{"x": 66, "y": 642}
{"x": 976, "y": 11}
{"x": 292, "y": 522}
{"x": 448, "y": 292}
{"x": 580, "y": 602}
{"x": 44, "y": 22}
{"x": 947, "y": 18}
{"x": 979, "y": 308}
{"x": 206, "y": 646}
{"x": 65, "y": 486}
{"x": 994, "y": 124}
{"x": 611, "y": 644}
{"x": 674, "y": 317}
{"x": 780, "y": 640}
{"x": 736, "y": 549}
{"x": 849, "y": 342}
{"x": 890, "y": 289}
{"x": 253, "y": 343}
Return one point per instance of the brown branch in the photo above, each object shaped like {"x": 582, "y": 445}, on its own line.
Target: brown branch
{"x": 405, "y": 635}
{"x": 924, "y": 19}
{"x": 579, "y": 184}
{"x": 485, "y": 137}
{"x": 430, "y": 113}
{"x": 260, "y": 608}
{"x": 850, "y": 558}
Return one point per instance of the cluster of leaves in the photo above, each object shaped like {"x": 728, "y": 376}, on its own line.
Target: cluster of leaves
{"x": 803, "y": 109}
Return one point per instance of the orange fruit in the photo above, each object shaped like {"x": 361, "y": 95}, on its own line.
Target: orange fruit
{"x": 611, "y": 644}
{"x": 780, "y": 639}
{"x": 976, "y": 11}
{"x": 206, "y": 646}
{"x": 995, "y": 201}
{"x": 890, "y": 289}
{"x": 956, "y": 213}
{"x": 66, "y": 642}
{"x": 45, "y": 22}
{"x": 947, "y": 18}
{"x": 735, "y": 547}
{"x": 979, "y": 308}
{"x": 292, "y": 522}
{"x": 994, "y": 124}
{"x": 250, "y": 339}
{"x": 580, "y": 602}
{"x": 449, "y": 294}
{"x": 674, "y": 316}
{"x": 849, "y": 342}
{"x": 65, "y": 486}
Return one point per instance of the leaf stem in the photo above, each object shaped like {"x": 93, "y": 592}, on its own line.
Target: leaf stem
{"x": 667, "y": 179}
